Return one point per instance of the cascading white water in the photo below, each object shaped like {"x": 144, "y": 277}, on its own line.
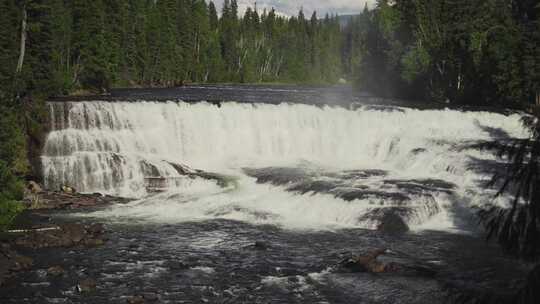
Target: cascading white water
{"x": 115, "y": 147}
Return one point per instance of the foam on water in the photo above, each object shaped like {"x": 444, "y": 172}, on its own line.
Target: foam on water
{"x": 114, "y": 147}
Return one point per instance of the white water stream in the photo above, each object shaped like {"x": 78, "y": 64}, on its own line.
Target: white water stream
{"x": 112, "y": 147}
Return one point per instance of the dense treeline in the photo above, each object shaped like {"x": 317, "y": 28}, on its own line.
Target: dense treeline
{"x": 103, "y": 43}
{"x": 460, "y": 51}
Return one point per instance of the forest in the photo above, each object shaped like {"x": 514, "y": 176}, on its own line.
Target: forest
{"x": 478, "y": 52}
{"x": 101, "y": 44}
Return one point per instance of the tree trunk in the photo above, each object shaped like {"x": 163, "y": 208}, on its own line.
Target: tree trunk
{"x": 538, "y": 98}
{"x": 23, "y": 40}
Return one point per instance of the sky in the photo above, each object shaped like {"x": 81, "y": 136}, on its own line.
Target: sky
{"x": 291, "y": 7}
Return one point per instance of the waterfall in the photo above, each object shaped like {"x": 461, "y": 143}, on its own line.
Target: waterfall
{"x": 115, "y": 147}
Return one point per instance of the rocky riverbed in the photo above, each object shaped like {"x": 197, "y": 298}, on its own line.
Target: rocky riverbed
{"x": 58, "y": 253}
{"x": 35, "y": 230}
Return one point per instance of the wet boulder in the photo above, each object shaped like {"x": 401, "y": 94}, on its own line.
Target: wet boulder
{"x": 22, "y": 262}
{"x": 65, "y": 235}
{"x": 368, "y": 263}
{"x": 387, "y": 261}
{"x": 73, "y": 232}
{"x": 68, "y": 190}
{"x": 87, "y": 285}
{"x": 135, "y": 300}
{"x": 96, "y": 228}
{"x": 94, "y": 242}
{"x": 392, "y": 223}
{"x": 34, "y": 187}
{"x": 258, "y": 245}
{"x": 150, "y": 297}
{"x": 55, "y": 271}
{"x": 391, "y": 220}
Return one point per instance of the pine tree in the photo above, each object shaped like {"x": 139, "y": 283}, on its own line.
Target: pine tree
{"x": 213, "y": 17}
{"x": 89, "y": 48}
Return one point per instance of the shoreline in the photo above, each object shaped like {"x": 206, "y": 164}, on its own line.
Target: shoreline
{"x": 34, "y": 230}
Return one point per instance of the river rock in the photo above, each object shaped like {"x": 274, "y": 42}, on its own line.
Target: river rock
{"x": 94, "y": 242}
{"x": 86, "y": 285}
{"x": 68, "y": 190}
{"x": 75, "y": 232}
{"x": 150, "y": 297}
{"x": 260, "y": 245}
{"x": 393, "y": 224}
{"x": 34, "y": 187}
{"x": 135, "y": 300}
{"x": 368, "y": 263}
{"x": 96, "y": 229}
{"x": 55, "y": 271}
{"x": 65, "y": 235}
{"x": 68, "y": 200}
{"x": 22, "y": 262}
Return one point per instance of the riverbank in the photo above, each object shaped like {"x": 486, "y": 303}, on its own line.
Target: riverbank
{"x": 35, "y": 230}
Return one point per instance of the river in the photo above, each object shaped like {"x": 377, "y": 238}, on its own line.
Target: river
{"x": 313, "y": 181}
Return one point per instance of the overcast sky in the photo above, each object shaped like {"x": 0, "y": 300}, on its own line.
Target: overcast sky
{"x": 291, "y": 7}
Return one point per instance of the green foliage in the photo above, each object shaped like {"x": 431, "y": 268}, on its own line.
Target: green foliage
{"x": 13, "y": 164}
{"x": 94, "y": 45}
{"x": 415, "y": 63}
{"x": 8, "y": 211}
{"x": 466, "y": 52}
{"x": 518, "y": 228}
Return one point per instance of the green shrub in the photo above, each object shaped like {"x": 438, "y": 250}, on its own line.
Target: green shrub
{"x": 13, "y": 163}
{"x": 8, "y": 211}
